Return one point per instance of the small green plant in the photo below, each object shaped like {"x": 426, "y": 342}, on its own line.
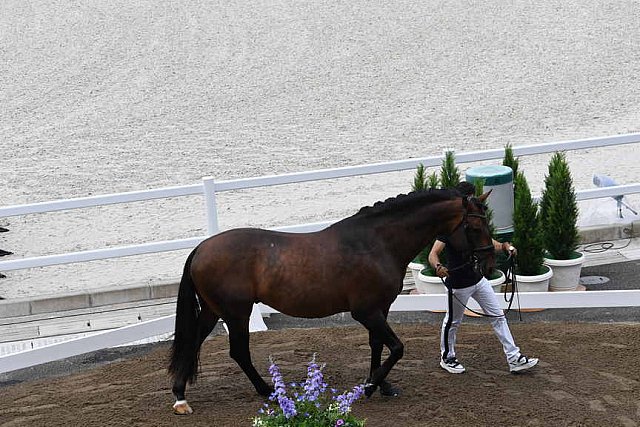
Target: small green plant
{"x": 308, "y": 404}
{"x": 559, "y": 210}
{"x": 419, "y": 178}
{"x": 449, "y": 172}
{"x": 422, "y": 181}
{"x": 433, "y": 181}
{"x": 526, "y": 230}
{"x": 510, "y": 161}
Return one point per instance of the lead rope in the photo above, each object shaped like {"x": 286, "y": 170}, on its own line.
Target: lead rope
{"x": 510, "y": 277}
{"x": 514, "y": 291}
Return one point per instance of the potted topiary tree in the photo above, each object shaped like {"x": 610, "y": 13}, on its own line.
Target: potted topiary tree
{"x": 530, "y": 273}
{"x": 559, "y": 216}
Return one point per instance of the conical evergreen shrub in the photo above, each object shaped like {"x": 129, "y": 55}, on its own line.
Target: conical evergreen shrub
{"x": 449, "y": 172}
{"x": 419, "y": 179}
{"x": 559, "y": 210}
{"x": 527, "y": 237}
{"x": 510, "y": 161}
{"x": 422, "y": 181}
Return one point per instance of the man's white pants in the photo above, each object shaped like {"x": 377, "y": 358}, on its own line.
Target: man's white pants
{"x": 488, "y": 301}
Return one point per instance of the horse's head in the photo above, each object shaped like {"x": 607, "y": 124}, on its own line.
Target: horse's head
{"x": 472, "y": 236}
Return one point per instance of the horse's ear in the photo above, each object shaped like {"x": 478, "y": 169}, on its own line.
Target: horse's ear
{"x": 485, "y": 196}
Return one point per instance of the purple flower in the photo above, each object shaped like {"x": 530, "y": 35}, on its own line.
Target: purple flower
{"x": 340, "y": 422}
{"x": 314, "y": 384}
{"x": 345, "y": 400}
{"x": 280, "y": 394}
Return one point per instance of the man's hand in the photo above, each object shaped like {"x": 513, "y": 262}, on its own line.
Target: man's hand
{"x": 442, "y": 271}
{"x": 509, "y": 248}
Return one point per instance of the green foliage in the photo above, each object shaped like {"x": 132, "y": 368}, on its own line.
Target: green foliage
{"x": 510, "y": 161}
{"x": 422, "y": 181}
{"x": 479, "y": 184}
{"x": 526, "y": 230}
{"x": 559, "y": 210}
{"x": 433, "y": 181}
{"x": 449, "y": 172}
{"x": 419, "y": 179}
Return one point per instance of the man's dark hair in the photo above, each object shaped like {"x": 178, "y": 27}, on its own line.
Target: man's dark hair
{"x": 466, "y": 188}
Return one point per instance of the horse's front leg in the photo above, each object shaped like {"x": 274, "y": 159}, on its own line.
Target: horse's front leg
{"x": 380, "y": 333}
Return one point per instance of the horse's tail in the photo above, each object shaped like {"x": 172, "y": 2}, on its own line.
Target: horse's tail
{"x": 185, "y": 349}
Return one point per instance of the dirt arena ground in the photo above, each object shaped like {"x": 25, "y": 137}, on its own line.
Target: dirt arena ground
{"x": 588, "y": 376}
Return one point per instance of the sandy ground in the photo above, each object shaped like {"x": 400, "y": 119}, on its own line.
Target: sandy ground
{"x": 587, "y": 376}
{"x": 109, "y": 96}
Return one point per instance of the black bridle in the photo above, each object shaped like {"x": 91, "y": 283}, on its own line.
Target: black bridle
{"x": 471, "y": 251}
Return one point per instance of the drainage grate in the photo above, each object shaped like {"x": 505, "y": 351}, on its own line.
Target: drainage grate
{"x": 593, "y": 280}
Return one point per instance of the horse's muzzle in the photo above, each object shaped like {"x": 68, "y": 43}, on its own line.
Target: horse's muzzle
{"x": 485, "y": 264}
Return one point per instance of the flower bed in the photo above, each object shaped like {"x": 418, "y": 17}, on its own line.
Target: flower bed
{"x": 309, "y": 404}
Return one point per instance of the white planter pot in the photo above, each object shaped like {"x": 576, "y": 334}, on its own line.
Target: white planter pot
{"x": 566, "y": 273}
{"x": 430, "y": 284}
{"x": 538, "y": 283}
{"x": 433, "y": 284}
{"x": 415, "y": 269}
{"x": 496, "y": 284}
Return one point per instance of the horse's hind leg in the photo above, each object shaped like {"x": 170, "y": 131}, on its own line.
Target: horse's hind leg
{"x": 380, "y": 332}
{"x": 207, "y": 320}
{"x": 239, "y": 351}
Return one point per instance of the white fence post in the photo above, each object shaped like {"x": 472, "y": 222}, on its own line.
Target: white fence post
{"x": 256, "y": 323}
{"x": 209, "y": 186}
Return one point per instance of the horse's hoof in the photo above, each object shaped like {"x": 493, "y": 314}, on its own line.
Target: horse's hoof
{"x": 265, "y": 391}
{"x": 181, "y": 407}
{"x": 369, "y": 389}
{"x": 386, "y": 389}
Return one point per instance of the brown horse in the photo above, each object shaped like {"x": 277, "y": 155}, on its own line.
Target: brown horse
{"x": 357, "y": 265}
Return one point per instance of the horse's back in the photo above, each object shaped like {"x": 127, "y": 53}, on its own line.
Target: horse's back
{"x": 300, "y": 274}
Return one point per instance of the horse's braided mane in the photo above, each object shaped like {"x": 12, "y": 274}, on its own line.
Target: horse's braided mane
{"x": 404, "y": 201}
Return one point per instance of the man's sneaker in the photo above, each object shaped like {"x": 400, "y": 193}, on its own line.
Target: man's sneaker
{"x": 522, "y": 363}
{"x": 452, "y": 365}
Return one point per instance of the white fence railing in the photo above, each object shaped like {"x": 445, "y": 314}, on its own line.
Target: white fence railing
{"x": 209, "y": 188}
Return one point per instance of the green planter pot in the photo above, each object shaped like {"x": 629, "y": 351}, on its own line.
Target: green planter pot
{"x": 566, "y": 272}
{"x": 537, "y": 283}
